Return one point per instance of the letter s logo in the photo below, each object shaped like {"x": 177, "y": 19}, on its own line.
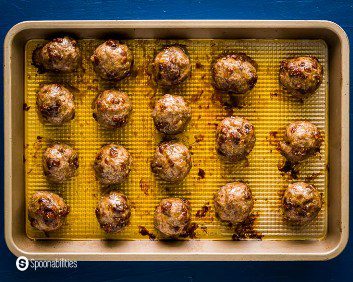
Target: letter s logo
{"x": 22, "y": 263}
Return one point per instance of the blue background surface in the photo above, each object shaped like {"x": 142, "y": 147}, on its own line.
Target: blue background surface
{"x": 14, "y": 11}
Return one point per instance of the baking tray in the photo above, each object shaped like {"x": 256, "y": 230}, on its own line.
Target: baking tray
{"x": 337, "y": 228}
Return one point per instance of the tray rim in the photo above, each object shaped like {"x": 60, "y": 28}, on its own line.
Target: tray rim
{"x": 91, "y": 24}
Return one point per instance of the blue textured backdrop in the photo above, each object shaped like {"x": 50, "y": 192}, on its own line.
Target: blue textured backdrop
{"x": 14, "y": 11}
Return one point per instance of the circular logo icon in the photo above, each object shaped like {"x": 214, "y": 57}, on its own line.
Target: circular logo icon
{"x": 22, "y": 263}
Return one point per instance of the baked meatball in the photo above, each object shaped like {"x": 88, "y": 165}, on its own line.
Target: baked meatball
{"x": 235, "y": 138}
{"x": 112, "y": 60}
{"x": 113, "y": 212}
{"x": 171, "y": 161}
{"x": 301, "y": 203}
{"x": 60, "y": 163}
{"x": 171, "y": 114}
{"x": 172, "y": 216}
{"x": 233, "y": 202}
{"x": 171, "y": 66}
{"x": 302, "y": 140}
{"x": 112, "y": 109}
{"x": 235, "y": 73}
{"x": 112, "y": 164}
{"x": 59, "y": 55}
{"x": 301, "y": 76}
{"x": 55, "y": 104}
{"x": 47, "y": 211}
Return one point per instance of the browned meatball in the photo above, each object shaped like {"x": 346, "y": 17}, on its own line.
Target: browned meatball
{"x": 58, "y": 55}
{"x": 47, "y": 211}
{"x": 113, "y": 212}
{"x": 171, "y": 161}
{"x": 112, "y": 60}
{"x": 172, "y": 216}
{"x": 55, "y": 104}
{"x": 233, "y": 202}
{"x": 301, "y": 76}
{"x": 235, "y": 73}
{"x": 112, "y": 109}
{"x": 112, "y": 164}
{"x": 301, "y": 203}
{"x": 171, "y": 114}
{"x": 171, "y": 66}
{"x": 235, "y": 138}
{"x": 60, "y": 163}
{"x": 302, "y": 140}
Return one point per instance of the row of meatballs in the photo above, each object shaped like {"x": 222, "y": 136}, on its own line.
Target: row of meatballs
{"x": 233, "y": 204}
{"x": 233, "y": 72}
{"x": 111, "y": 109}
{"x": 235, "y": 139}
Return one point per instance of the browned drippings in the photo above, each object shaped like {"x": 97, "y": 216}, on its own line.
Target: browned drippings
{"x": 190, "y": 231}
{"x": 288, "y": 168}
{"x": 199, "y": 138}
{"x": 201, "y": 173}
{"x": 26, "y": 107}
{"x": 245, "y": 230}
{"x": 144, "y": 232}
{"x": 203, "y": 211}
{"x": 144, "y": 186}
{"x": 273, "y": 140}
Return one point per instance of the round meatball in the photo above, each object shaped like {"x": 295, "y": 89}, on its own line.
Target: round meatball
{"x": 301, "y": 76}
{"x": 171, "y": 161}
{"x": 172, "y": 216}
{"x": 58, "y": 55}
{"x": 113, "y": 212}
{"x": 235, "y": 138}
{"x": 301, "y": 203}
{"x": 55, "y": 104}
{"x": 112, "y": 164}
{"x": 235, "y": 73}
{"x": 171, "y": 114}
{"x": 112, "y": 60}
{"x": 47, "y": 211}
{"x": 60, "y": 163}
{"x": 233, "y": 202}
{"x": 112, "y": 109}
{"x": 171, "y": 66}
{"x": 302, "y": 140}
